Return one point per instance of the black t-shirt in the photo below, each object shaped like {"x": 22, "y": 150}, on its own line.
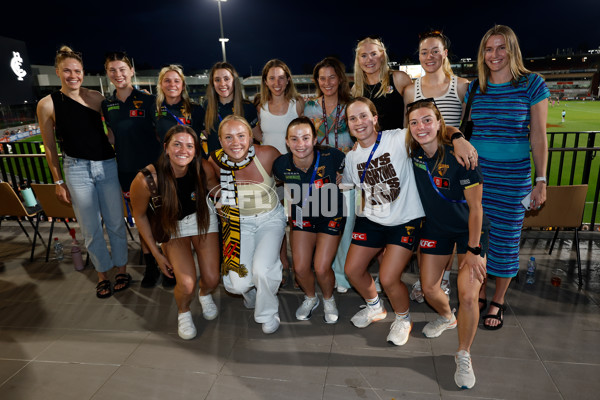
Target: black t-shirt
{"x": 225, "y": 110}
{"x": 321, "y": 202}
{"x": 451, "y": 179}
{"x": 171, "y": 115}
{"x": 390, "y": 107}
{"x": 132, "y": 123}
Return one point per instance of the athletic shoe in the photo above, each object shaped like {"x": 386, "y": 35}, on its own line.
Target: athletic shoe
{"x": 464, "y": 375}
{"x": 209, "y": 308}
{"x": 417, "y": 293}
{"x": 341, "y": 289}
{"x": 304, "y": 312}
{"x": 331, "y": 311}
{"x": 399, "y": 331}
{"x": 369, "y": 314}
{"x": 185, "y": 326}
{"x": 250, "y": 298}
{"x": 271, "y": 326}
{"x": 377, "y": 284}
{"x": 435, "y": 328}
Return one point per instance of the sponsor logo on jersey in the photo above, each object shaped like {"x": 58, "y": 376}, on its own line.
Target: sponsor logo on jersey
{"x": 407, "y": 239}
{"x": 428, "y": 244}
{"x": 359, "y": 236}
{"x": 333, "y": 224}
{"x": 319, "y": 183}
{"x": 442, "y": 183}
{"x": 305, "y": 224}
{"x": 136, "y": 113}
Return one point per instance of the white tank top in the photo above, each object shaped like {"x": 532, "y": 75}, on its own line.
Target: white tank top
{"x": 449, "y": 104}
{"x": 274, "y": 126}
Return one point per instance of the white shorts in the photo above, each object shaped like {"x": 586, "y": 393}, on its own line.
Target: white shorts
{"x": 188, "y": 226}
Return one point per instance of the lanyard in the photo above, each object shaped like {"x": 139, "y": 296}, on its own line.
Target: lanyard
{"x": 335, "y": 127}
{"x": 312, "y": 179}
{"x": 173, "y": 115}
{"x": 362, "y": 178}
{"x": 438, "y": 190}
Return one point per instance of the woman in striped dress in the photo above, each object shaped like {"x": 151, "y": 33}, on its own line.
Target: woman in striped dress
{"x": 509, "y": 112}
{"x": 448, "y": 90}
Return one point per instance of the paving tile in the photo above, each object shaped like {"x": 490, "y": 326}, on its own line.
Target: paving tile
{"x": 25, "y": 343}
{"x": 8, "y": 368}
{"x": 252, "y": 388}
{"x": 576, "y": 381}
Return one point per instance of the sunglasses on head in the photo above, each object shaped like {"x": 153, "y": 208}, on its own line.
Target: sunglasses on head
{"x": 428, "y": 100}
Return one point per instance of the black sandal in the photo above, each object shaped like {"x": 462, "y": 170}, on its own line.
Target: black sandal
{"x": 122, "y": 279}
{"x": 103, "y": 289}
{"x": 499, "y": 316}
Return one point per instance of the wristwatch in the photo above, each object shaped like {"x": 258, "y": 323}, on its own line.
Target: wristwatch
{"x": 474, "y": 250}
{"x": 456, "y": 135}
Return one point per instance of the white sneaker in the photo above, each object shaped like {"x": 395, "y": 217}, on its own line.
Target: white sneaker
{"x": 417, "y": 293}
{"x": 272, "y": 325}
{"x": 250, "y": 298}
{"x": 377, "y": 284}
{"x": 399, "y": 331}
{"x": 341, "y": 289}
{"x": 331, "y": 311}
{"x": 304, "y": 312}
{"x": 209, "y": 308}
{"x": 437, "y": 326}
{"x": 185, "y": 326}
{"x": 369, "y": 314}
{"x": 464, "y": 375}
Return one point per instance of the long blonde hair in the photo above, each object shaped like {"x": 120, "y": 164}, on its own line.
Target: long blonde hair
{"x": 212, "y": 98}
{"x": 290, "y": 90}
{"x": 360, "y": 78}
{"x": 517, "y": 67}
{"x": 160, "y": 95}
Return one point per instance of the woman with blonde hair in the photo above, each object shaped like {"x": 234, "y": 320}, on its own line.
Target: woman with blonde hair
{"x": 224, "y": 96}
{"x": 374, "y": 80}
{"x": 173, "y": 103}
{"x": 182, "y": 179}
{"x": 509, "y": 113}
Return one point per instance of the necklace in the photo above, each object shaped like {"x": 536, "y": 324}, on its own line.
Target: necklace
{"x": 371, "y": 89}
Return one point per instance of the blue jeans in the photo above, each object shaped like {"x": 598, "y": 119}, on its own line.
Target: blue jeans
{"x": 96, "y": 196}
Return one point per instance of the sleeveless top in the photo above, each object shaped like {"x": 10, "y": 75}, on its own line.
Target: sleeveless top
{"x": 186, "y": 194}
{"x": 449, "y": 103}
{"x": 390, "y": 107}
{"x": 274, "y": 127}
{"x": 80, "y": 130}
{"x": 257, "y": 198}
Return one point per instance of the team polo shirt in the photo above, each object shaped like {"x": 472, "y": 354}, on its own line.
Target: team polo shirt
{"x": 325, "y": 199}
{"x": 390, "y": 193}
{"x": 451, "y": 179}
{"x": 165, "y": 120}
{"x": 225, "y": 110}
{"x": 132, "y": 123}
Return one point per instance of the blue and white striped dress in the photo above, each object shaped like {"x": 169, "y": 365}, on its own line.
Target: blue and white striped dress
{"x": 501, "y": 136}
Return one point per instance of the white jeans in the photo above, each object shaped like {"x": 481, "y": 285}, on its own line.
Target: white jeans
{"x": 261, "y": 238}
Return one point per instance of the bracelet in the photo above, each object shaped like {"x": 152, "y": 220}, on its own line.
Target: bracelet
{"x": 59, "y": 182}
{"x": 456, "y": 135}
{"x": 540, "y": 179}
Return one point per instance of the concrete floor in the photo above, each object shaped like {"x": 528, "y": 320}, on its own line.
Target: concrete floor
{"x": 58, "y": 341}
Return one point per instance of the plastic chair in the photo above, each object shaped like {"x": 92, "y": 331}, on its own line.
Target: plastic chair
{"x": 563, "y": 209}
{"x": 11, "y": 205}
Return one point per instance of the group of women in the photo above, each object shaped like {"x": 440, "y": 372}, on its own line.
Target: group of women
{"x": 377, "y": 171}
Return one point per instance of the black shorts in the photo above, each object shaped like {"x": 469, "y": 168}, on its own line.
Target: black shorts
{"x": 331, "y": 226}
{"x": 440, "y": 243}
{"x": 367, "y": 233}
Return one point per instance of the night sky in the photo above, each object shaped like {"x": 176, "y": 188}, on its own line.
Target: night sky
{"x": 298, "y": 32}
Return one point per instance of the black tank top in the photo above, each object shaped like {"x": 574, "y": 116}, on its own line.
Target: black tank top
{"x": 80, "y": 130}
{"x": 389, "y": 107}
{"x": 186, "y": 194}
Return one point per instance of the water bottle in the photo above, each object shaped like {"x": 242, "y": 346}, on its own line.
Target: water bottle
{"x": 530, "y": 277}
{"x": 58, "y": 250}
{"x": 27, "y": 193}
{"x": 76, "y": 252}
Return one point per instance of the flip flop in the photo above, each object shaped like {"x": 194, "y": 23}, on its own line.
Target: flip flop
{"x": 103, "y": 286}
{"x": 122, "y": 279}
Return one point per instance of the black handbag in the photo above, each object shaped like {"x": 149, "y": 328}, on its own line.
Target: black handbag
{"x": 153, "y": 210}
{"x": 466, "y": 127}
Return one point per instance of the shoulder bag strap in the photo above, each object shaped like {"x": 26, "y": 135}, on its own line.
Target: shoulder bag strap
{"x": 155, "y": 199}
{"x": 467, "y": 115}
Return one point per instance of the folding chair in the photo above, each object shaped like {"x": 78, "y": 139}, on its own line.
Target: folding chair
{"x": 11, "y": 205}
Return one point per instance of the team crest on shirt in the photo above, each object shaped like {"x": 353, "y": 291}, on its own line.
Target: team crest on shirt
{"x": 321, "y": 171}
{"x": 137, "y": 103}
{"x": 442, "y": 169}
